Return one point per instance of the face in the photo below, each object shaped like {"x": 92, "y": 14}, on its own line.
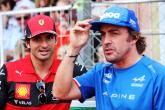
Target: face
{"x": 22, "y": 20}
{"x": 116, "y": 42}
{"x": 42, "y": 46}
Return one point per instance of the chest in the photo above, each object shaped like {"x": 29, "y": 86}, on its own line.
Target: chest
{"x": 22, "y": 89}
{"x": 125, "y": 90}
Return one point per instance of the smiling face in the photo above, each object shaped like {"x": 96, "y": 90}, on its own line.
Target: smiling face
{"x": 116, "y": 42}
{"x": 42, "y": 46}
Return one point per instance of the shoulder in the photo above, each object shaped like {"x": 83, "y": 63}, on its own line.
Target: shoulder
{"x": 155, "y": 68}
{"x": 21, "y": 64}
{"x": 15, "y": 63}
{"x": 152, "y": 64}
{"x": 102, "y": 66}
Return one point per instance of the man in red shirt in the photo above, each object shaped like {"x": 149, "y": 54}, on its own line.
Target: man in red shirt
{"x": 27, "y": 83}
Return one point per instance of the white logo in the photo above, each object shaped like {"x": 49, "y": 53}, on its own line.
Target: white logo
{"x": 138, "y": 82}
{"x": 123, "y": 96}
{"x": 132, "y": 22}
{"x": 151, "y": 68}
{"x": 108, "y": 75}
{"x": 1, "y": 72}
{"x": 140, "y": 79}
{"x": 111, "y": 15}
{"x": 105, "y": 93}
{"x": 21, "y": 102}
{"x": 18, "y": 72}
{"x": 107, "y": 78}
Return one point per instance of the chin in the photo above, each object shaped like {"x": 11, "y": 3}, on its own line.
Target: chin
{"x": 44, "y": 57}
{"x": 111, "y": 60}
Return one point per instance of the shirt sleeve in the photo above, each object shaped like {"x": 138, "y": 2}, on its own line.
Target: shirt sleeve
{"x": 86, "y": 83}
{"x": 159, "y": 92}
{"x": 3, "y": 86}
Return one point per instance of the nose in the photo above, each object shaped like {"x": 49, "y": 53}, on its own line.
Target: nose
{"x": 44, "y": 43}
{"x": 106, "y": 39}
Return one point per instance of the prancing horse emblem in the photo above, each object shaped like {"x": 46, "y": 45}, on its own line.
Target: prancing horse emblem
{"x": 41, "y": 22}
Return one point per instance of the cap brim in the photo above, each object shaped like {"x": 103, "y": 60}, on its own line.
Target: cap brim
{"x": 50, "y": 32}
{"x": 97, "y": 24}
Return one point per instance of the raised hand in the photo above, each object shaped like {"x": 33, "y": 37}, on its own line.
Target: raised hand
{"x": 80, "y": 33}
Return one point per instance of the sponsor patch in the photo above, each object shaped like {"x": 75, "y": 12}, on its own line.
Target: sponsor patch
{"x": 22, "y": 91}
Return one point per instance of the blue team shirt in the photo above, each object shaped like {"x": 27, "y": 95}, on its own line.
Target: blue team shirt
{"x": 139, "y": 87}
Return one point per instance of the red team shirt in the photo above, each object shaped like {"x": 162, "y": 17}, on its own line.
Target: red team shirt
{"x": 18, "y": 87}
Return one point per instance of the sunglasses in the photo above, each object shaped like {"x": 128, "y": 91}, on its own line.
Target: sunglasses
{"x": 23, "y": 17}
{"x": 42, "y": 96}
{"x": 65, "y": 11}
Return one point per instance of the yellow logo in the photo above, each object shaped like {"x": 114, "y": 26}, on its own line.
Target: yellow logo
{"x": 41, "y": 22}
{"x": 22, "y": 91}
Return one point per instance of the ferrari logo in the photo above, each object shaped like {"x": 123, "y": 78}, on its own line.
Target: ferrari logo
{"x": 41, "y": 22}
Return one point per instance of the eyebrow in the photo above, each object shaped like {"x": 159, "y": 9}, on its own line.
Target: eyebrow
{"x": 111, "y": 30}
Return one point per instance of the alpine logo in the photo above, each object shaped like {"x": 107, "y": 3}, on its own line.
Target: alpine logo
{"x": 138, "y": 81}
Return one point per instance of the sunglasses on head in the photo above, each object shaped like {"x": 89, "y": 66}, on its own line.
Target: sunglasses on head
{"x": 65, "y": 11}
{"x": 23, "y": 17}
{"x": 42, "y": 96}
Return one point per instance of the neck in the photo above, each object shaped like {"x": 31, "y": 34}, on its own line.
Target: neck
{"x": 41, "y": 67}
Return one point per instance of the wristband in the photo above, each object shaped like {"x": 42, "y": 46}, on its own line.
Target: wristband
{"x": 73, "y": 56}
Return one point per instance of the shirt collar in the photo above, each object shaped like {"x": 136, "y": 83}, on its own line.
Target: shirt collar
{"x": 28, "y": 66}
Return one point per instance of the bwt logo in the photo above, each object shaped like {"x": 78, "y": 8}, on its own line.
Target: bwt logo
{"x": 110, "y": 15}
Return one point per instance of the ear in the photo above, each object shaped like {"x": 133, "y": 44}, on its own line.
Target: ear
{"x": 28, "y": 44}
{"x": 135, "y": 38}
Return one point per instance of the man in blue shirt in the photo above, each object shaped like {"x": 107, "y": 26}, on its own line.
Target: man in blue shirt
{"x": 131, "y": 81}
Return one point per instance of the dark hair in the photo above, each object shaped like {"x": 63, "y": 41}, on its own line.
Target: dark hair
{"x": 141, "y": 42}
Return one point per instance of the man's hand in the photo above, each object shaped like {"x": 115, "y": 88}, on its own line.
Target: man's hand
{"x": 80, "y": 34}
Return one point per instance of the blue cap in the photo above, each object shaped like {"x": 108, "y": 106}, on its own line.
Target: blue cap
{"x": 117, "y": 16}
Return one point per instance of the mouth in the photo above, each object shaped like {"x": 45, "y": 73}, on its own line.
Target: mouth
{"x": 108, "y": 51}
{"x": 44, "y": 52}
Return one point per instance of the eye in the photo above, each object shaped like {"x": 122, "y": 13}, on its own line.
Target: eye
{"x": 36, "y": 38}
{"x": 50, "y": 36}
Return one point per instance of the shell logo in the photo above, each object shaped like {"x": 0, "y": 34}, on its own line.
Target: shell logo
{"x": 22, "y": 91}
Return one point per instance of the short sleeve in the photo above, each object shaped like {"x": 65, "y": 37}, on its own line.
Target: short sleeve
{"x": 86, "y": 83}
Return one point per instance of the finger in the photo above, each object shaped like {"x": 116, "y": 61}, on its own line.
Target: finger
{"x": 84, "y": 23}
